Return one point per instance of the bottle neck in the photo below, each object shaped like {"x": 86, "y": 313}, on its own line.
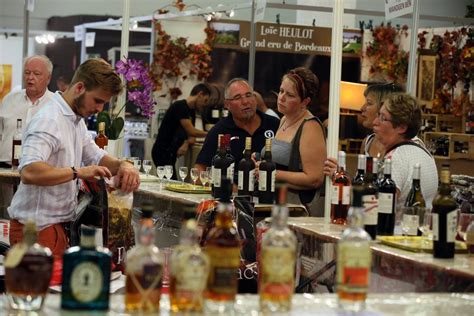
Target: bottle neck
{"x": 146, "y": 234}
{"x": 87, "y": 241}
{"x": 279, "y": 216}
{"x": 445, "y": 179}
{"x": 224, "y": 215}
{"x": 355, "y": 217}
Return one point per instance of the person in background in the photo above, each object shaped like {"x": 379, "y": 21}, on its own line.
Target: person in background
{"x": 58, "y": 150}
{"x": 243, "y": 121}
{"x": 299, "y": 146}
{"x": 23, "y": 104}
{"x": 398, "y": 122}
{"x": 374, "y": 96}
{"x": 178, "y": 126}
{"x": 62, "y": 83}
{"x": 262, "y": 106}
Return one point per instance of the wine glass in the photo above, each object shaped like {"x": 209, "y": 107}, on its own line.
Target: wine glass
{"x": 194, "y": 175}
{"x": 183, "y": 173}
{"x": 146, "y": 166}
{"x": 204, "y": 177}
{"x": 169, "y": 172}
{"x": 160, "y": 172}
{"x": 464, "y": 220}
{"x": 137, "y": 163}
{"x": 410, "y": 221}
{"x": 209, "y": 174}
{"x": 426, "y": 227}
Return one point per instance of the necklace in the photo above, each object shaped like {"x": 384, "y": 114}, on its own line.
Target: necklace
{"x": 290, "y": 125}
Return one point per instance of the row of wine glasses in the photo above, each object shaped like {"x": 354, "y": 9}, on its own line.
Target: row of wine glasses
{"x": 138, "y": 164}
{"x": 204, "y": 175}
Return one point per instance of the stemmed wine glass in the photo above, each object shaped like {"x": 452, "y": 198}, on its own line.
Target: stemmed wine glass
{"x": 194, "y": 175}
{"x": 204, "y": 177}
{"x": 160, "y": 172}
{"x": 146, "y": 166}
{"x": 209, "y": 175}
{"x": 464, "y": 220}
{"x": 410, "y": 221}
{"x": 168, "y": 172}
{"x": 426, "y": 227}
{"x": 183, "y": 173}
{"x": 137, "y": 163}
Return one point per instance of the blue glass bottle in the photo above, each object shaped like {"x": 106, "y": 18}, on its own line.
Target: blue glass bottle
{"x": 86, "y": 275}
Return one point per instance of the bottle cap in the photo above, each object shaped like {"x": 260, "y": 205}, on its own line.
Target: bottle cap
{"x": 147, "y": 209}
{"x": 88, "y": 231}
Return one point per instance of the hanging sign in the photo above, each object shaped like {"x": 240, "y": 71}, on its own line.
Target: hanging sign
{"x": 30, "y": 5}
{"x": 90, "y": 39}
{"x": 260, "y": 10}
{"x": 397, "y": 8}
{"x": 78, "y": 33}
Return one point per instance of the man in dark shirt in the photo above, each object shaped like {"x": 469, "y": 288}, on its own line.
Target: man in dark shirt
{"x": 178, "y": 125}
{"x": 243, "y": 121}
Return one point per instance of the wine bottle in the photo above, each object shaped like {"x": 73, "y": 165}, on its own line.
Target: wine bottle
{"x": 230, "y": 158}
{"x": 359, "y": 177}
{"x": 266, "y": 175}
{"x": 353, "y": 258}
{"x": 375, "y": 171}
{"x": 16, "y": 144}
{"x": 387, "y": 199}
{"x": 415, "y": 196}
{"x": 369, "y": 199}
{"x": 246, "y": 171}
{"x": 341, "y": 192}
{"x": 101, "y": 140}
{"x": 444, "y": 218}
{"x": 219, "y": 168}
{"x": 214, "y": 172}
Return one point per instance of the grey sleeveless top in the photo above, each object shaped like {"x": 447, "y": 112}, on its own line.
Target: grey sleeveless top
{"x": 281, "y": 151}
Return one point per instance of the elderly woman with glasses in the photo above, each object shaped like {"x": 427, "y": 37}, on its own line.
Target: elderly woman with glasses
{"x": 398, "y": 122}
{"x": 299, "y": 146}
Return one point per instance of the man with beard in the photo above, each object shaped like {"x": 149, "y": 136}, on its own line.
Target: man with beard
{"x": 243, "y": 121}
{"x": 58, "y": 150}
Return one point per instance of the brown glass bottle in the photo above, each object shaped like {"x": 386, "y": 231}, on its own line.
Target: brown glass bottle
{"x": 223, "y": 249}
{"x": 341, "y": 192}
{"x": 16, "y": 144}
{"x": 101, "y": 140}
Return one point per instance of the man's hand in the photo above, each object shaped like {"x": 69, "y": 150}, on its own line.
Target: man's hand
{"x": 182, "y": 149}
{"x": 89, "y": 172}
{"x": 128, "y": 178}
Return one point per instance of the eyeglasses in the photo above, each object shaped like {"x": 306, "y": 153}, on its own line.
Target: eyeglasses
{"x": 382, "y": 118}
{"x": 240, "y": 97}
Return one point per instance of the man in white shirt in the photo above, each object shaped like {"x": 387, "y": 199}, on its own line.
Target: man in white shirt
{"x": 25, "y": 103}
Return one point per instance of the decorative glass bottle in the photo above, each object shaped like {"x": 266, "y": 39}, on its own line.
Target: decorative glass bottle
{"x": 86, "y": 275}
{"x": 28, "y": 270}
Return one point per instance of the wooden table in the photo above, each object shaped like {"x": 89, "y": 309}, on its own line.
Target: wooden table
{"x": 393, "y": 269}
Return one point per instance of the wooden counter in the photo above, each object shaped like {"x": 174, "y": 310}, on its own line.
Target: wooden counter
{"x": 393, "y": 269}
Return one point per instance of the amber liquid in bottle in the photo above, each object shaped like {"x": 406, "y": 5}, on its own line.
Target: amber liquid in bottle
{"x": 341, "y": 192}
{"x": 101, "y": 140}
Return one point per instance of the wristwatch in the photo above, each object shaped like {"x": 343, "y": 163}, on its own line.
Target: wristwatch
{"x": 74, "y": 173}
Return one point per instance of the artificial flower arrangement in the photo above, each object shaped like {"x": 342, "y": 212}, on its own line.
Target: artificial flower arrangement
{"x": 174, "y": 59}
{"x": 139, "y": 87}
{"x": 387, "y": 58}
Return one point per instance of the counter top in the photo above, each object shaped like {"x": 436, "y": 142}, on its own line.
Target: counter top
{"x": 308, "y": 304}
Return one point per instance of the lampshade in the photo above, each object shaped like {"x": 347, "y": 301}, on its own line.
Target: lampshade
{"x": 351, "y": 96}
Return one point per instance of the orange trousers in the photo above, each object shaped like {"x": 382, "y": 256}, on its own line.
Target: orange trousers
{"x": 54, "y": 237}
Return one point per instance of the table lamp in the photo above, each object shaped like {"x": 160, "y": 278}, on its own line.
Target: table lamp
{"x": 351, "y": 99}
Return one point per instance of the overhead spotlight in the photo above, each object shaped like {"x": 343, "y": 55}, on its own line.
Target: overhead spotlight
{"x": 44, "y": 39}
{"x": 231, "y": 13}
{"x": 38, "y": 39}
{"x": 208, "y": 17}
{"x": 218, "y": 15}
{"x": 134, "y": 25}
{"x": 51, "y": 38}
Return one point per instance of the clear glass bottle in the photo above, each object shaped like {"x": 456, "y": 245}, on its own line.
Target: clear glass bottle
{"x": 16, "y": 144}
{"x": 341, "y": 191}
{"x": 28, "y": 270}
{"x": 222, "y": 246}
{"x": 86, "y": 275}
{"x": 144, "y": 269}
{"x": 353, "y": 258}
{"x": 278, "y": 259}
{"x": 189, "y": 272}
{"x": 101, "y": 139}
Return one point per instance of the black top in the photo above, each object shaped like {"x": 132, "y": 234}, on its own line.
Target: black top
{"x": 171, "y": 134}
{"x": 267, "y": 129}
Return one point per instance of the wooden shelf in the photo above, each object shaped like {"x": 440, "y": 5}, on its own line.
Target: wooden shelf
{"x": 457, "y": 145}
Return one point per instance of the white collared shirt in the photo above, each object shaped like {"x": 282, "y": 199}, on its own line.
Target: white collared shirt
{"x": 17, "y": 105}
{"x": 57, "y": 136}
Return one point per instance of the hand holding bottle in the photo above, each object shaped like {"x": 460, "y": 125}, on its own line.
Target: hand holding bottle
{"x": 330, "y": 167}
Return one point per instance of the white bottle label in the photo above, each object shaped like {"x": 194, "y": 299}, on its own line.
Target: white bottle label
{"x": 410, "y": 224}
{"x": 230, "y": 172}
{"x": 262, "y": 180}
{"x": 386, "y": 203}
{"x": 335, "y": 194}
{"x": 252, "y": 180}
{"x": 215, "y": 113}
{"x": 370, "y": 205}
{"x": 273, "y": 181}
{"x": 86, "y": 282}
{"x": 216, "y": 177}
{"x": 17, "y": 152}
{"x": 341, "y": 189}
{"x": 240, "y": 180}
{"x": 451, "y": 223}
{"x": 435, "y": 226}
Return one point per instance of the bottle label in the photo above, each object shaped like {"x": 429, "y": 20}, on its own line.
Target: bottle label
{"x": 273, "y": 180}
{"x": 224, "y": 266}
{"x": 353, "y": 268}
{"x": 435, "y": 226}
{"x": 251, "y": 184}
{"x": 386, "y": 202}
{"x": 451, "y": 222}
{"x": 278, "y": 271}
{"x": 230, "y": 172}
{"x": 190, "y": 277}
{"x": 262, "y": 180}
{"x": 215, "y": 113}
{"x": 252, "y": 180}
{"x": 216, "y": 177}
{"x": 16, "y": 151}
{"x": 410, "y": 224}
{"x": 240, "y": 180}
{"x": 370, "y": 205}
{"x": 341, "y": 193}
{"x": 87, "y": 281}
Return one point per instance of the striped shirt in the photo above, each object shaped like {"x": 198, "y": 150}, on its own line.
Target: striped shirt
{"x": 58, "y": 137}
